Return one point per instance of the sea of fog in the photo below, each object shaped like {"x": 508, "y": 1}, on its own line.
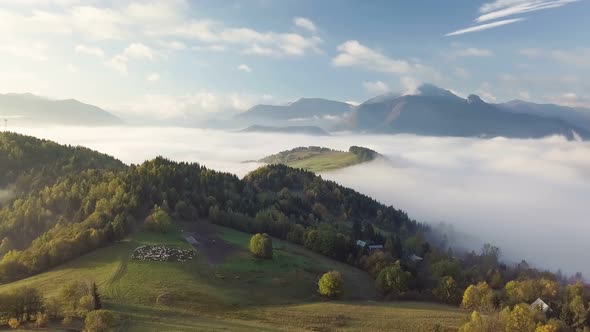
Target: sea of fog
{"x": 529, "y": 197}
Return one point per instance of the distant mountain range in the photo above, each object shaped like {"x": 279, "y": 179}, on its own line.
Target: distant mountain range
{"x": 305, "y": 130}
{"x": 303, "y": 112}
{"x": 431, "y": 111}
{"x": 30, "y": 110}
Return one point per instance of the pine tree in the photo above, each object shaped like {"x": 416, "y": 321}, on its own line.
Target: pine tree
{"x": 96, "y": 297}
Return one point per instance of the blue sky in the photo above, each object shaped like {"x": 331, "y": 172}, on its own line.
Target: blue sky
{"x": 176, "y": 59}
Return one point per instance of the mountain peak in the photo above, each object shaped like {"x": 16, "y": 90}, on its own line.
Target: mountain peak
{"x": 474, "y": 99}
{"x": 431, "y": 90}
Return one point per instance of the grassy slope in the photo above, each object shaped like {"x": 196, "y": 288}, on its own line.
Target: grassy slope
{"x": 240, "y": 294}
{"x": 326, "y": 161}
{"x": 314, "y": 160}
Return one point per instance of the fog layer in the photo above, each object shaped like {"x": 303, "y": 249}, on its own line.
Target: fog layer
{"x": 530, "y": 197}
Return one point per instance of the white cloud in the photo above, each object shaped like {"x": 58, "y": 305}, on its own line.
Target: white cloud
{"x": 121, "y": 21}
{"x": 579, "y": 57}
{"x": 462, "y": 72}
{"x": 410, "y": 84}
{"x": 98, "y": 23}
{"x": 210, "y": 48}
{"x": 71, "y": 68}
{"x": 246, "y": 40}
{"x": 484, "y": 26}
{"x": 485, "y": 93}
{"x": 376, "y": 88}
{"x": 118, "y": 63}
{"x": 471, "y": 52}
{"x": 571, "y": 99}
{"x": 245, "y": 68}
{"x": 153, "y": 77}
{"x": 305, "y": 23}
{"x": 138, "y": 51}
{"x": 90, "y": 50}
{"x": 35, "y": 51}
{"x": 192, "y": 106}
{"x": 524, "y": 95}
{"x": 503, "y": 8}
{"x": 175, "y": 45}
{"x": 133, "y": 51}
{"x": 354, "y": 54}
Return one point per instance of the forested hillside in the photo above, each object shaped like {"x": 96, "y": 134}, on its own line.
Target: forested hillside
{"x": 28, "y": 163}
{"x": 88, "y": 209}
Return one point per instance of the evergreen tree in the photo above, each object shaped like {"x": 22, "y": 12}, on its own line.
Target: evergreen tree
{"x": 96, "y": 297}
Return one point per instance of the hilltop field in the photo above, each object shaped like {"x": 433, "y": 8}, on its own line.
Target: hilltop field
{"x": 319, "y": 159}
{"x": 225, "y": 288}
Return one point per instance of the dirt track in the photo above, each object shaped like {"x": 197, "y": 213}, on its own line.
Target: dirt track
{"x": 210, "y": 243}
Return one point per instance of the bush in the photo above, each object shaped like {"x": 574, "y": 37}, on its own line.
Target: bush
{"x": 41, "y": 320}
{"x": 331, "y": 284}
{"x": 14, "y": 323}
{"x": 261, "y": 246}
{"x": 159, "y": 220}
{"x": 393, "y": 280}
{"x": 99, "y": 321}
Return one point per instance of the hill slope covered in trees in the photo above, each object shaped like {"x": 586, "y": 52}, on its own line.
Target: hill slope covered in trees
{"x": 87, "y": 209}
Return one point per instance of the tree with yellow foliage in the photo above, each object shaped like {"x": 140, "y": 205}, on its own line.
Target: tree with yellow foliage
{"x": 478, "y": 297}
{"x": 520, "y": 319}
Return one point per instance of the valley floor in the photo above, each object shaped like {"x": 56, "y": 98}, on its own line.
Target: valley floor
{"x": 224, "y": 288}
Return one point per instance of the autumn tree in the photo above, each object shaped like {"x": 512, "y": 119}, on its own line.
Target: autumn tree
{"x": 99, "y": 321}
{"x": 261, "y": 245}
{"x": 331, "y": 284}
{"x": 393, "y": 280}
{"x": 478, "y": 297}
{"x": 447, "y": 290}
{"x": 483, "y": 323}
{"x": 159, "y": 220}
{"x": 520, "y": 319}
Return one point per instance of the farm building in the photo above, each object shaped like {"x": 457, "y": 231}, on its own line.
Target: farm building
{"x": 540, "y": 305}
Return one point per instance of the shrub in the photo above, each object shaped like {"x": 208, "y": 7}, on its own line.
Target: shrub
{"x": 331, "y": 284}
{"x": 261, "y": 246}
{"x": 14, "y": 323}
{"x": 99, "y": 321}
{"x": 41, "y": 320}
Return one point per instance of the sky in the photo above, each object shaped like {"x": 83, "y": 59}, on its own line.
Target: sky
{"x": 176, "y": 59}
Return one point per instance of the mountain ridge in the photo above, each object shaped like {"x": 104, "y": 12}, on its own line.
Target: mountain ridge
{"x": 31, "y": 110}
